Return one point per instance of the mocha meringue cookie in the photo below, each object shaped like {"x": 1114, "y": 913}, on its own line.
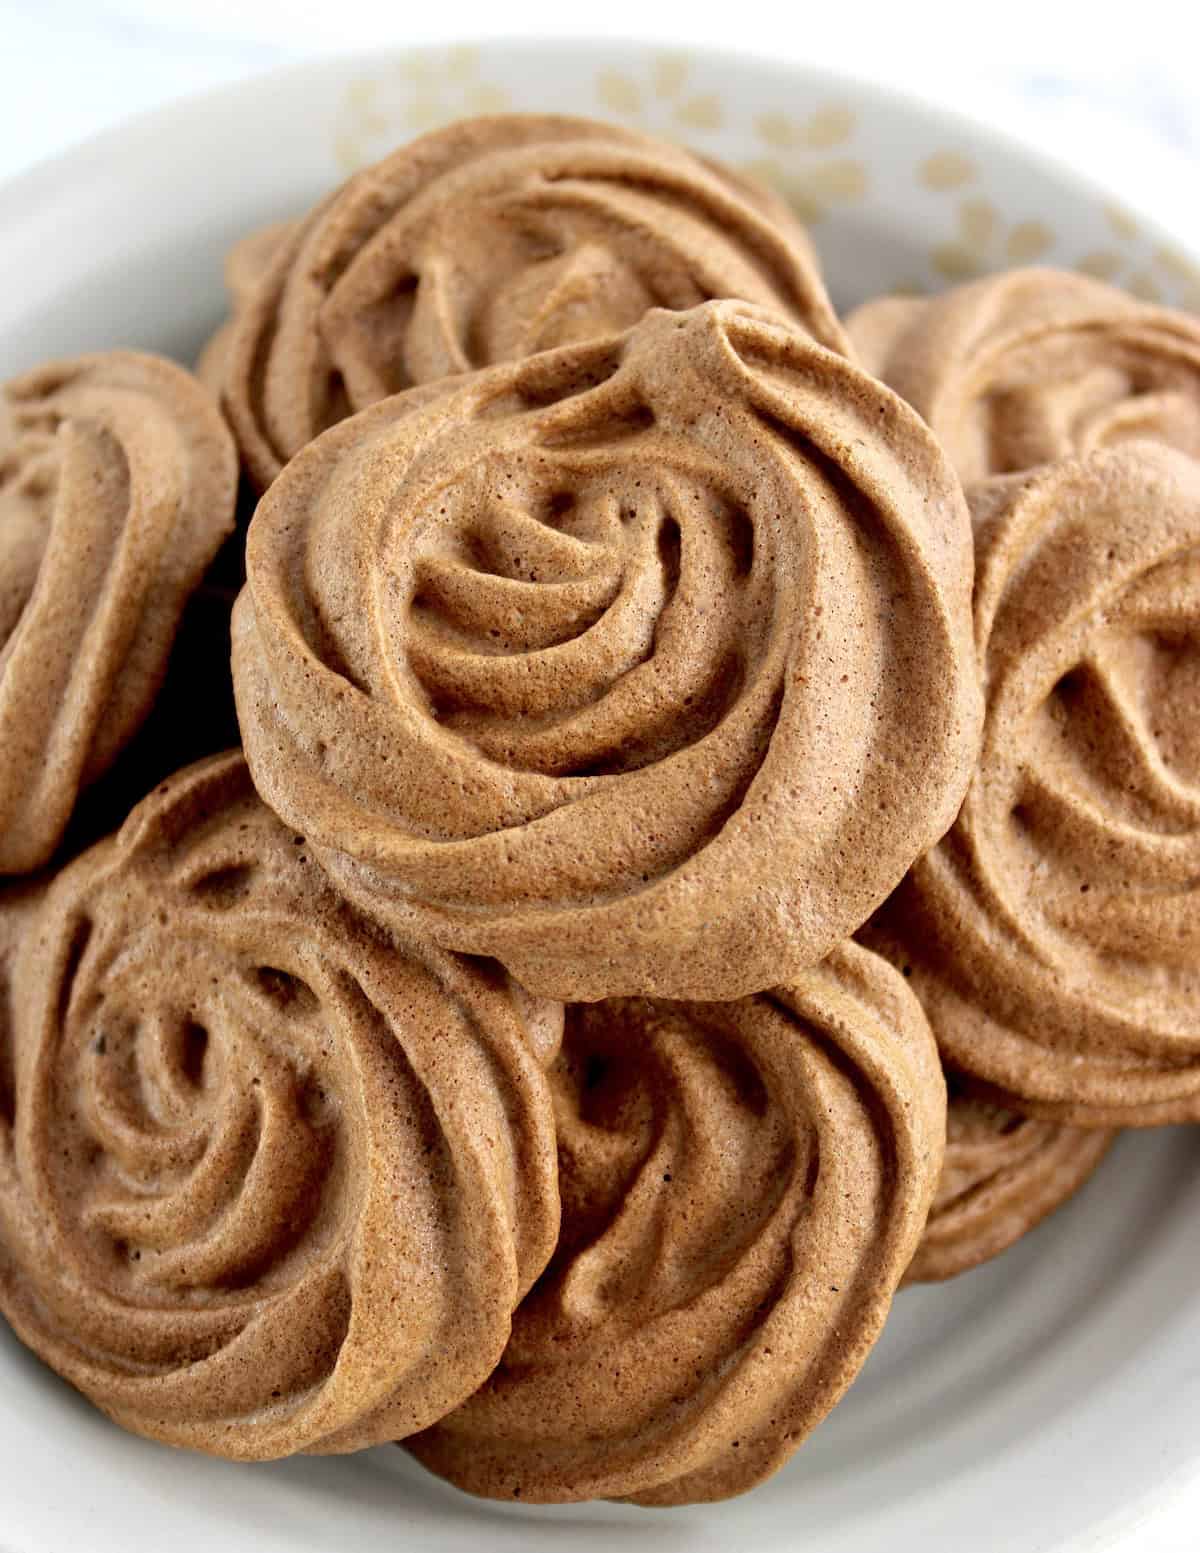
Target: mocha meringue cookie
{"x": 743, "y": 1186}
{"x": 1003, "y": 1175}
{"x": 246, "y": 263}
{"x": 1034, "y": 365}
{"x": 643, "y": 665}
{"x": 272, "y": 1179}
{"x": 117, "y": 483}
{"x": 1053, "y": 936}
{"x": 488, "y": 241}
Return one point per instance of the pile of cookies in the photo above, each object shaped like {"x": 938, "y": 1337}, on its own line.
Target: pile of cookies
{"x": 671, "y": 724}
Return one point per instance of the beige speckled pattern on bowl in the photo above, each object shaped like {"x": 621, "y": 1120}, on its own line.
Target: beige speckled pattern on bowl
{"x": 823, "y": 155}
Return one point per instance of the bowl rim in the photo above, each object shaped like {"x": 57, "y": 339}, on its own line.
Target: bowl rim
{"x": 49, "y": 177}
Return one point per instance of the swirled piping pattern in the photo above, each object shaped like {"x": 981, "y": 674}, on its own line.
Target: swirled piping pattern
{"x": 1020, "y": 369}
{"x": 246, "y": 263}
{"x": 743, "y": 1185}
{"x": 117, "y": 483}
{"x": 271, "y": 1179}
{"x": 488, "y": 241}
{"x": 1053, "y": 935}
{"x": 1004, "y": 1173}
{"x": 642, "y": 665}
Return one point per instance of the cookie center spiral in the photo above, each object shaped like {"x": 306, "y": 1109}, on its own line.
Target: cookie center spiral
{"x": 673, "y": 1160}
{"x": 198, "y": 1146}
{"x": 586, "y": 618}
{"x": 1066, "y": 395}
{"x": 1110, "y": 781}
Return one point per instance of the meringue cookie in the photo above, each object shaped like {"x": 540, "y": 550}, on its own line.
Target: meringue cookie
{"x": 1034, "y": 365}
{"x": 1003, "y": 1175}
{"x": 488, "y": 241}
{"x": 743, "y": 1186}
{"x": 117, "y": 483}
{"x": 1053, "y": 936}
{"x": 643, "y": 665}
{"x": 876, "y": 326}
{"x": 246, "y": 263}
{"x": 271, "y": 1179}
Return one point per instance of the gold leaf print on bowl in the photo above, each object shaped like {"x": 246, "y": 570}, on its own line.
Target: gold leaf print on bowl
{"x": 1119, "y": 219}
{"x": 1028, "y": 241}
{"x": 668, "y": 74}
{"x": 818, "y": 156}
{"x": 418, "y": 92}
{"x": 423, "y": 112}
{"x": 703, "y": 112}
{"x": 1102, "y": 264}
{"x": 1144, "y": 286}
{"x": 830, "y": 126}
{"x": 813, "y": 188}
{"x": 1185, "y": 272}
{"x": 619, "y": 92}
{"x": 671, "y": 102}
{"x": 462, "y": 63}
{"x": 666, "y": 102}
{"x": 955, "y": 261}
{"x": 978, "y": 220}
{"x": 946, "y": 170}
{"x": 984, "y": 241}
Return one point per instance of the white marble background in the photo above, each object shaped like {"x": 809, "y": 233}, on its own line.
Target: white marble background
{"x": 1111, "y": 89}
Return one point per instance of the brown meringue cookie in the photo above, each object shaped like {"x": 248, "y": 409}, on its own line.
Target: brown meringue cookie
{"x": 117, "y": 482}
{"x": 875, "y": 327}
{"x": 1020, "y": 369}
{"x": 642, "y": 665}
{"x": 1004, "y": 1173}
{"x": 743, "y": 1186}
{"x": 19, "y": 901}
{"x": 246, "y": 263}
{"x": 271, "y": 1179}
{"x": 1053, "y": 936}
{"x": 488, "y": 241}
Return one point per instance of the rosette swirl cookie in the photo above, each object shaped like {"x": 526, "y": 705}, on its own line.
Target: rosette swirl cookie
{"x": 1054, "y": 935}
{"x": 643, "y": 665}
{"x": 743, "y": 1186}
{"x": 117, "y": 483}
{"x": 488, "y": 241}
{"x": 1023, "y": 368}
{"x": 271, "y": 1180}
{"x": 1003, "y": 1175}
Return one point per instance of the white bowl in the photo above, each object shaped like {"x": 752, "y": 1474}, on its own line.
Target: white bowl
{"x": 1038, "y": 1403}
